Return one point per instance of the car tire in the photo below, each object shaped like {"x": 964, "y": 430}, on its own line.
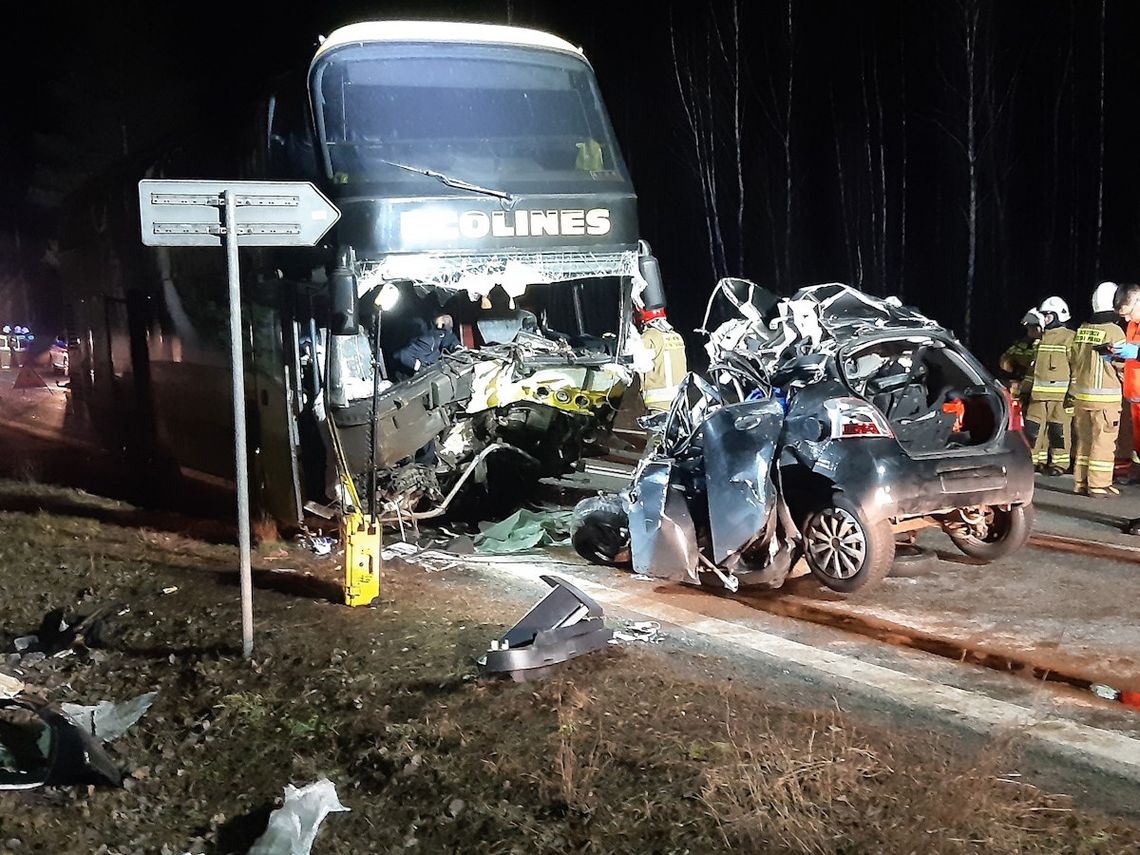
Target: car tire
{"x": 599, "y": 530}
{"x": 845, "y": 551}
{"x": 911, "y": 560}
{"x": 1008, "y": 533}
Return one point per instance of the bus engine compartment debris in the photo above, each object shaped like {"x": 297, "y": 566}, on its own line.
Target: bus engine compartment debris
{"x": 824, "y": 420}
{"x": 564, "y": 624}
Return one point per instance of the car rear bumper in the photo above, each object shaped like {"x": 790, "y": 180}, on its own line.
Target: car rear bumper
{"x": 887, "y": 484}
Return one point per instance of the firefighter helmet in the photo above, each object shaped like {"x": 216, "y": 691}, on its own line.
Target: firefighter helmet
{"x": 1056, "y": 306}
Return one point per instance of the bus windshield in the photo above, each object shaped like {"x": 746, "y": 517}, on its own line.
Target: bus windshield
{"x": 514, "y": 118}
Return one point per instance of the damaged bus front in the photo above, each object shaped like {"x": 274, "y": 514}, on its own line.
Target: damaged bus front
{"x": 467, "y": 311}
{"x": 484, "y": 197}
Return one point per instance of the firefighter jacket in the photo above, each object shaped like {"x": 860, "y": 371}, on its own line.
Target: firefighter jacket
{"x": 1095, "y": 379}
{"x": 659, "y": 382}
{"x": 1051, "y": 367}
{"x": 1018, "y": 358}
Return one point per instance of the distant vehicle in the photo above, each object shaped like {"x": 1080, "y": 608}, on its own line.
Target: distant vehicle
{"x": 825, "y": 421}
{"x": 59, "y": 356}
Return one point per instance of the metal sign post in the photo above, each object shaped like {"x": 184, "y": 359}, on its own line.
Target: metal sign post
{"x": 233, "y": 214}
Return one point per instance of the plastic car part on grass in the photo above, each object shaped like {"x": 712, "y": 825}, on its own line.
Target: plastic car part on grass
{"x": 562, "y": 625}
{"x": 40, "y": 744}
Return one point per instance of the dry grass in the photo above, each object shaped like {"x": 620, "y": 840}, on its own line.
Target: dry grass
{"x": 766, "y": 789}
{"x": 581, "y": 755}
{"x": 623, "y": 751}
{"x": 263, "y": 530}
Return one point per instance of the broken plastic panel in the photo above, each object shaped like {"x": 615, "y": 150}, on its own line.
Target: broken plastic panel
{"x": 564, "y": 624}
{"x": 40, "y": 744}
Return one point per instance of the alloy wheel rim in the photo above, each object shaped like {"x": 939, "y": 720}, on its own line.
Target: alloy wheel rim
{"x": 836, "y": 543}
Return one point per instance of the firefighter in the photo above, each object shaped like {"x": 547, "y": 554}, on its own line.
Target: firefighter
{"x": 665, "y": 366}
{"x": 1050, "y": 386}
{"x": 1017, "y": 360}
{"x": 1096, "y": 392}
{"x": 5, "y": 348}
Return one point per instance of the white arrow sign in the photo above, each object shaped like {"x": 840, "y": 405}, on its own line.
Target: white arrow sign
{"x": 269, "y": 213}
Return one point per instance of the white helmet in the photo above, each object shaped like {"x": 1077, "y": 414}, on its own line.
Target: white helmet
{"x": 1103, "y": 296}
{"x": 1056, "y": 306}
{"x": 1033, "y": 318}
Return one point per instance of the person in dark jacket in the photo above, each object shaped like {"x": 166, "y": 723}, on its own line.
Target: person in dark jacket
{"x": 446, "y": 325}
{"x": 423, "y": 349}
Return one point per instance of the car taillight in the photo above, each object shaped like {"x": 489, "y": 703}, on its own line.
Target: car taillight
{"x": 851, "y": 417}
{"x": 1016, "y": 422}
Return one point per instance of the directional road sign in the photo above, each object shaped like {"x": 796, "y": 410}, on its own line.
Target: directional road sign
{"x": 231, "y": 214}
{"x": 269, "y": 213}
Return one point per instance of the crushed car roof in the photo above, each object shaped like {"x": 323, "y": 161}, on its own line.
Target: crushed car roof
{"x": 816, "y": 319}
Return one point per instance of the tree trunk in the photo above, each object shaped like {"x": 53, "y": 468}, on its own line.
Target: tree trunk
{"x": 788, "y": 149}
{"x": 1100, "y": 151}
{"x": 972, "y": 162}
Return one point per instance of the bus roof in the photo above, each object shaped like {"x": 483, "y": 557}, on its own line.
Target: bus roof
{"x": 443, "y": 31}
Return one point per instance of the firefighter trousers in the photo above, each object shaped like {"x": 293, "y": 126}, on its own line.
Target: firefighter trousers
{"x": 1096, "y": 426}
{"x": 1047, "y": 430}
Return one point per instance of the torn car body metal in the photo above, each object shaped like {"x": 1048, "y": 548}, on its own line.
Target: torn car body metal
{"x": 826, "y": 420}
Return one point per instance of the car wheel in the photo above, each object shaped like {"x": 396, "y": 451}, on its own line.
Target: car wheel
{"x": 599, "y": 530}
{"x": 996, "y": 534}
{"x": 846, "y": 552}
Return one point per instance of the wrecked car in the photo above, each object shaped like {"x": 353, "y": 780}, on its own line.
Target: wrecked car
{"x": 826, "y": 422}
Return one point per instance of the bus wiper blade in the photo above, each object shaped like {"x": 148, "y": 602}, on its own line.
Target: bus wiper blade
{"x": 457, "y": 183}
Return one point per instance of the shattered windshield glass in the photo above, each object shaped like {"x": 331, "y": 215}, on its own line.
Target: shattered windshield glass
{"x": 498, "y": 116}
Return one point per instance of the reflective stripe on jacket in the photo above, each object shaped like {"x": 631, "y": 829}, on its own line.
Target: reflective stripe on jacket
{"x": 1095, "y": 380}
{"x": 659, "y": 383}
{"x": 1051, "y": 370}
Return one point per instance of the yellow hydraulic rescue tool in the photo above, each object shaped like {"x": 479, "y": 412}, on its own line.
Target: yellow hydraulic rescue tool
{"x": 360, "y": 534}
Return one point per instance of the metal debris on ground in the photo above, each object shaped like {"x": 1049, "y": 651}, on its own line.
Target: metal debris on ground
{"x": 293, "y": 826}
{"x": 107, "y": 720}
{"x": 648, "y": 631}
{"x": 399, "y": 549}
{"x": 10, "y": 685}
{"x": 460, "y": 544}
{"x": 318, "y": 544}
{"x": 172, "y": 589}
{"x": 60, "y": 632}
{"x": 641, "y": 577}
{"x": 525, "y": 530}
{"x": 562, "y": 625}
{"x": 1105, "y": 692}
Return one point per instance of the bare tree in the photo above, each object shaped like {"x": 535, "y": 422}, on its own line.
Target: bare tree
{"x": 970, "y": 13}
{"x": 855, "y": 271}
{"x": 787, "y": 137}
{"x": 709, "y": 70}
{"x": 902, "y": 170}
{"x": 975, "y": 126}
{"x": 694, "y": 107}
{"x": 1100, "y": 147}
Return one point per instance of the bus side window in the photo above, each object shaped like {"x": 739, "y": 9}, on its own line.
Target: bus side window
{"x": 290, "y": 136}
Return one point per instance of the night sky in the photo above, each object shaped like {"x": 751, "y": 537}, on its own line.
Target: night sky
{"x": 875, "y": 147}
